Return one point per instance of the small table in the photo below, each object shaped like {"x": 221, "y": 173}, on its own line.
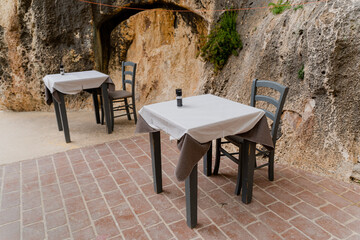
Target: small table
{"x": 72, "y": 83}
{"x": 201, "y": 119}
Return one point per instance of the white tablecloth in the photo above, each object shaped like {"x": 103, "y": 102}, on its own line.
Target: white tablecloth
{"x": 74, "y": 82}
{"x": 204, "y": 117}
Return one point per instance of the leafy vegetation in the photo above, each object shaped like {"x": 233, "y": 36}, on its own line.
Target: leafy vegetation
{"x": 298, "y": 7}
{"x": 222, "y": 41}
{"x": 279, "y": 7}
{"x": 301, "y": 73}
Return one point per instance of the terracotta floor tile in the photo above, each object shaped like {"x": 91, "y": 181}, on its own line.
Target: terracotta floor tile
{"x": 309, "y": 185}
{"x": 173, "y": 191}
{"x": 124, "y": 216}
{"x": 52, "y": 204}
{"x": 90, "y": 192}
{"x": 159, "y": 232}
{"x": 67, "y": 179}
{"x": 289, "y": 186}
{"x": 211, "y": 232}
{"x": 104, "y": 152}
{"x": 240, "y": 214}
{"x": 106, "y": 227}
{"x": 182, "y": 231}
{"x": 85, "y": 179}
{"x": 121, "y": 177}
{"x": 10, "y": 231}
{"x": 140, "y": 177}
{"x": 205, "y": 184}
{"x": 10, "y": 200}
{"x": 11, "y": 184}
{"x": 262, "y": 196}
{"x": 149, "y": 219}
{"x": 114, "y": 198}
{"x": 307, "y": 210}
{"x": 30, "y": 186}
{"x": 74, "y": 204}
{"x": 206, "y": 202}
{"x": 97, "y": 208}
{"x": 64, "y": 171}
{"x": 334, "y": 227}
{"x": 311, "y": 199}
{"x": 107, "y": 184}
{"x": 143, "y": 160}
{"x": 46, "y": 169}
{"x": 160, "y": 202}
{"x": 59, "y": 233}
{"x": 236, "y": 232}
{"x": 354, "y": 226}
{"x": 336, "y": 213}
{"x": 34, "y": 231}
{"x": 30, "y": 177}
{"x": 129, "y": 189}
{"x": 335, "y": 199}
{"x": 32, "y": 216}
{"x": 81, "y": 168}
{"x": 31, "y": 200}
{"x": 219, "y": 196}
{"x": 69, "y": 190}
{"x": 50, "y": 191}
{"x": 171, "y": 215}
{"x": 139, "y": 204}
{"x": 282, "y": 210}
{"x": 130, "y": 167}
{"x": 294, "y": 234}
{"x": 125, "y": 158}
{"x": 9, "y": 215}
{"x": 48, "y": 179}
{"x": 100, "y": 172}
{"x": 96, "y": 164}
{"x": 55, "y": 219}
{"x": 332, "y": 185}
{"x": 84, "y": 234}
{"x": 148, "y": 189}
{"x": 352, "y": 196}
{"x": 76, "y": 159}
{"x": 274, "y": 222}
{"x": 254, "y": 207}
{"x": 282, "y": 195}
{"x": 135, "y": 233}
{"x": 78, "y": 221}
{"x": 309, "y": 229}
{"x": 261, "y": 231}
{"x": 353, "y": 210}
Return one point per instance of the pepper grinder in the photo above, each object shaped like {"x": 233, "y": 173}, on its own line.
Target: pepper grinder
{"x": 179, "y": 97}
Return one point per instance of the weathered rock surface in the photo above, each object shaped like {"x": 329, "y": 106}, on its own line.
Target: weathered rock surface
{"x": 320, "y": 124}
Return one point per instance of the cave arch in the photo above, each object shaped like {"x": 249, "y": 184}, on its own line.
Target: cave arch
{"x": 105, "y": 23}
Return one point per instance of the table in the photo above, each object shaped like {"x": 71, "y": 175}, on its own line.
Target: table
{"x": 202, "y": 119}
{"x": 56, "y": 85}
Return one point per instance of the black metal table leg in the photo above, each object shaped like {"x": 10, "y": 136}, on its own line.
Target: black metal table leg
{"x": 248, "y": 163}
{"x": 106, "y": 103}
{"x": 64, "y": 119}
{"x": 208, "y": 161}
{"x": 191, "y": 184}
{"x": 96, "y": 106}
{"x": 57, "y": 114}
{"x": 155, "y": 147}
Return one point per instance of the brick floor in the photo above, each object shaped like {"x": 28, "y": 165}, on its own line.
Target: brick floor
{"x": 106, "y": 192}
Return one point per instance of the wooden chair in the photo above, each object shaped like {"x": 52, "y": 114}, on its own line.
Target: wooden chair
{"x": 237, "y": 141}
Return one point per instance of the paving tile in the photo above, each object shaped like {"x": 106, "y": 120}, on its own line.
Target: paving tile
{"x": 236, "y": 232}
{"x": 46, "y": 169}
{"x": 282, "y": 210}
{"x": 69, "y": 190}
{"x": 106, "y": 227}
{"x": 353, "y": 210}
{"x": 34, "y": 231}
{"x": 90, "y": 191}
{"x": 261, "y": 231}
{"x": 50, "y": 191}
{"x": 129, "y": 189}
{"x": 309, "y": 229}
{"x": 11, "y": 184}
{"x": 125, "y": 158}
{"x": 55, "y": 219}
{"x": 48, "y": 179}
{"x": 336, "y": 213}
{"x": 121, "y": 177}
{"x": 240, "y": 214}
{"x": 289, "y": 186}
{"x": 10, "y": 200}
{"x": 53, "y": 204}
{"x": 81, "y": 168}
{"x": 352, "y": 196}
{"x": 333, "y": 186}
{"x": 182, "y": 231}
{"x": 294, "y": 234}
{"x": 64, "y": 171}
{"x": 206, "y": 202}
{"x": 220, "y": 196}
{"x": 261, "y": 196}
{"x": 309, "y": 185}
{"x": 31, "y": 200}
{"x": 124, "y": 216}
{"x": 211, "y": 232}
{"x": 149, "y": 219}
{"x": 139, "y": 204}
{"x": 274, "y": 222}
{"x": 355, "y": 226}
{"x": 85, "y": 179}
{"x": 59, "y": 233}
{"x": 135, "y": 233}
{"x": 100, "y": 172}
{"x": 30, "y": 186}
{"x": 171, "y": 215}
{"x": 205, "y": 184}
{"x": 335, "y": 199}
{"x": 97, "y": 208}
{"x": 173, "y": 191}
{"x": 78, "y": 221}
{"x": 114, "y": 198}
{"x": 10, "y": 231}
{"x": 282, "y": 195}
{"x": 159, "y": 232}
{"x": 84, "y": 234}
{"x": 333, "y": 227}
{"x": 140, "y": 177}
{"x": 74, "y": 204}
{"x": 218, "y": 215}
{"x": 311, "y": 199}
{"x": 32, "y": 216}
{"x": 107, "y": 184}
{"x": 307, "y": 210}
{"x": 67, "y": 179}
{"x": 9, "y": 215}
{"x": 160, "y": 202}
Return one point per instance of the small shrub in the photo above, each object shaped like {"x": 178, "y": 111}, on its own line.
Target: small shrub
{"x": 298, "y": 7}
{"x": 301, "y": 73}
{"x": 222, "y": 41}
{"x": 279, "y": 7}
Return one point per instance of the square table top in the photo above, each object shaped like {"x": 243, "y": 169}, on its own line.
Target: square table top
{"x": 74, "y": 82}
{"x": 203, "y": 117}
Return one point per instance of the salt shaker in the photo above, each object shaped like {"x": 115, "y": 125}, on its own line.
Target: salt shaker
{"x": 179, "y": 97}
{"x": 62, "y": 71}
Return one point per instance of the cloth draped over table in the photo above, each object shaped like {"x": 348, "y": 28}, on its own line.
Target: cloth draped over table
{"x": 191, "y": 151}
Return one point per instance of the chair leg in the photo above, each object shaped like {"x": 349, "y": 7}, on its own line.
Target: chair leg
{"x": 271, "y": 166}
{"x": 217, "y": 156}
{"x": 127, "y": 108}
{"x": 239, "y": 175}
{"x": 102, "y": 111}
{"x": 112, "y": 114}
{"x": 134, "y": 110}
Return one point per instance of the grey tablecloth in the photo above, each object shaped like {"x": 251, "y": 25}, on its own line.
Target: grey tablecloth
{"x": 191, "y": 151}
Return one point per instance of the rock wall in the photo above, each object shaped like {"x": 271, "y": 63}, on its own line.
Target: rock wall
{"x": 320, "y": 124}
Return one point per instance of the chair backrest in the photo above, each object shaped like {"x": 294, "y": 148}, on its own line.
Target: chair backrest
{"x": 278, "y": 103}
{"x": 126, "y": 72}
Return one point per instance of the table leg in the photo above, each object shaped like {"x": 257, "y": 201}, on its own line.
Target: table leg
{"x": 96, "y": 106}
{"x": 64, "y": 118}
{"x": 155, "y": 147}
{"x": 208, "y": 161}
{"x": 191, "y": 183}
{"x": 247, "y": 171}
{"x": 57, "y": 114}
{"x": 106, "y": 103}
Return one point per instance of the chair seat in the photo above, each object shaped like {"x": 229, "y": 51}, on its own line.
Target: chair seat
{"x": 235, "y": 139}
{"x": 118, "y": 94}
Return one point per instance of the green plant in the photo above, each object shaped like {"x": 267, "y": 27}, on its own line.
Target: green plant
{"x": 298, "y": 7}
{"x": 301, "y": 73}
{"x": 222, "y": 41}
{"x": 279, "y": 7}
